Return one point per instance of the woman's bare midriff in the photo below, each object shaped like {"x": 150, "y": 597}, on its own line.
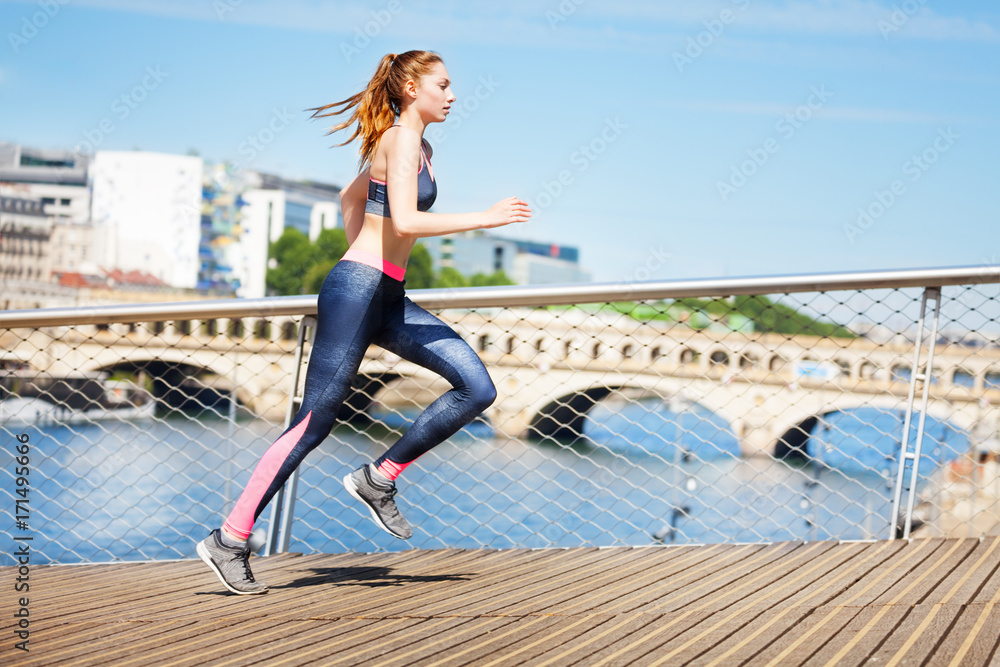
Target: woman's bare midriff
{"x": 377, "y": 237}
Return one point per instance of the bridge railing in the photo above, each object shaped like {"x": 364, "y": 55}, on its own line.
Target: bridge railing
{"x": 731, "y": 410}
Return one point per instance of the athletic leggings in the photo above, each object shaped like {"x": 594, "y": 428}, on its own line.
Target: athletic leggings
{"x": 359, "y": 305}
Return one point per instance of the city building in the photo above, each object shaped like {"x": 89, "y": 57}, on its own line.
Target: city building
{"x": 273, "y": 204}
{"x": 524, "y": 262}
{"x": 25, "y": 234}
{"x": 146, "y": 210}
{"x": 52, "y": 184}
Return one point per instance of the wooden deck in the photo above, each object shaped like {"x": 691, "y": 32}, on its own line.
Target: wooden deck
{"x": 928, "y": 601}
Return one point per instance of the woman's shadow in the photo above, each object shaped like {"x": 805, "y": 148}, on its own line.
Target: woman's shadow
{"x": 372, "y": 577}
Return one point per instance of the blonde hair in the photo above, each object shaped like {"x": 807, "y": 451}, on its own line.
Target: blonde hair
{"x": 377, "y": 106}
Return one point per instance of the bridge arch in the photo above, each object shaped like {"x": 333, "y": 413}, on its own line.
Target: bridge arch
{"x": 178, "y": 384}
{"x": 799, "y": 425}
{"x": 775, "y": 363}
{"x": 719, "y": 357}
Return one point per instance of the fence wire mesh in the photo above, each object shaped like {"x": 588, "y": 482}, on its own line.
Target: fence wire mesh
{"x": 753, "y": 418}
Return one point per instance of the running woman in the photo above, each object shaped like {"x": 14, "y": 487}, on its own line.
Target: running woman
{"x": 362, "y": 301}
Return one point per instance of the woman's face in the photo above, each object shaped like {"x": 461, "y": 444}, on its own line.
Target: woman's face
{"x": 434, "y": 96}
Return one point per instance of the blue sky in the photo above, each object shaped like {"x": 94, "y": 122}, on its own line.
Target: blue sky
{"x": 667, "y": 140}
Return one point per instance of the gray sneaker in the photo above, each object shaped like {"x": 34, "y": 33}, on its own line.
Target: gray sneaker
{"x": 232, "y": 564}
{"x": 379, "y": 499}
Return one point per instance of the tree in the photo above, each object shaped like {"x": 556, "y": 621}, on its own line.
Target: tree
{"x": 420, "y": 268}
{"x": 313, "y": 280}
{"x": 294, "y": 256}
{"x": 331, "y": 244}
{"x": 450, "y": 277}
{"x": 498, "y": 277}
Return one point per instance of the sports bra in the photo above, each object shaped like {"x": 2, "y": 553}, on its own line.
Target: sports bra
{"x": 378, "y": 199}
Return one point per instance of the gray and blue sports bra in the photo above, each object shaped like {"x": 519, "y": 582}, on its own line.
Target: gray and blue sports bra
{"x": 378, "y": 199}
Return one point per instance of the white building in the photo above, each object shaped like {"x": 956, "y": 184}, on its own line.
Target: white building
{"x": 146, "y": 208}
{"x": 272, "y": 206}
{"x": 524, "y": 262}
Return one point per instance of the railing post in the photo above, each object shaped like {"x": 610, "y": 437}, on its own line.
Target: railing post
{"x": 279, "y": 529}
{"x": 905, "y": 456}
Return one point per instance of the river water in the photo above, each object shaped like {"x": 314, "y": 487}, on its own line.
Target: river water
{"x": 649, "y": 473}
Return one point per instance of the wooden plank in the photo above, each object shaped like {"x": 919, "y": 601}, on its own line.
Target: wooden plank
{"x": 973, "y": 639}
{"x": 926, "y": 601}
{"x": 915, "y": 588}
{"x": 722, "y": 624}
{"x": 718, "y": 560}
{"x": 253, "y": 643}
{"x": 760, "y": 632}
{"x": 811, "y": 632}
{"x": 912, "y": 557}
{"x": 625, "y": 640}
{"x": 591, "y": 584}
{"x": 861, "y": 637}
{"x": 496, "y": 570}
{"x": 562, "y": 632}
{"x": 473, "y": 636}
{"x": 555, "y": 572}
{"x": 916, "y": 638}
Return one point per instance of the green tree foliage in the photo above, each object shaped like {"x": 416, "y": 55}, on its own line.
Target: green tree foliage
{"x": 302, "y": 265}
{"x": 294, "y": 255}
{"x": 420, "y": 268}
{"x": 498, "y": 277}
{"x": 450, "y": 277}
{"x": 332, "y": 244}
{"x": 771, "y": 317}
{"x": 313, "y": 280}
{"x": 764, "y": 315}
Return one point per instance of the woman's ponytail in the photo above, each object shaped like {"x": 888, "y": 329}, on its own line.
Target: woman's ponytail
{"x": 377, "y": 106}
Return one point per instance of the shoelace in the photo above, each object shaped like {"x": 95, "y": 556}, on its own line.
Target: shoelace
{"x": 245, "y": 556}
{"x": 389, "y": 498}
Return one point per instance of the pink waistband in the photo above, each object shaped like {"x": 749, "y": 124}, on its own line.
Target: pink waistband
{"x": 376, "y": 262}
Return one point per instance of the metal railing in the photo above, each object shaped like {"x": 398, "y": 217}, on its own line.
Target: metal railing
{"x": 748, "y": 409}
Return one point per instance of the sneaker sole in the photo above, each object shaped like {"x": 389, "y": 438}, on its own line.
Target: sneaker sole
{"x": 207, "y": 557}
{"x": 353, "y": 490}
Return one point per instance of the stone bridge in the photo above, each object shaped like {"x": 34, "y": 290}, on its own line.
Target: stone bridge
{"x": 550, "y": 368}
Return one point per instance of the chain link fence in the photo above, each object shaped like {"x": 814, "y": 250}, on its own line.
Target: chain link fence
{"x": 754, "y": 410}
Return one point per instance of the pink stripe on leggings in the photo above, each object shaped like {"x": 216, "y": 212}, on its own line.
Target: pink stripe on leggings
{"x": 391, "y": 469}
{"x": 385, "y": 266}
{"x": 240, "y": 520}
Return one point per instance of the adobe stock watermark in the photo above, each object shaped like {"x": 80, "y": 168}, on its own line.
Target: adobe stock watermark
{"x": 915, "y": 167}
{"x": 581, "y": 158}
{"x": 786, "y": 127}
{"x": 121, "y": 108}
{"x": 714, "y": 28}
{"x": 223, "y": 7}
{"x": 255, "y": 143}
{"x": 364, "y": 34}
{"x": 656, "y": 259}
{"x": 32, "y": 25}
{"x": 898, "y": 17}
{"x": 462, "y": 109}
{"x": 562, "y": 12}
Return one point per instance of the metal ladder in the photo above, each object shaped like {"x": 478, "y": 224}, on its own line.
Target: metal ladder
{"x": 279, "y": 530}
{"x": 917, "y": 375}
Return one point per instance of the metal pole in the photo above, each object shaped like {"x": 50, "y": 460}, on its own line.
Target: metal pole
{"x": 934, "y": 293}
{"x": 279, "y": 529}
{"x": 905, "y": 456}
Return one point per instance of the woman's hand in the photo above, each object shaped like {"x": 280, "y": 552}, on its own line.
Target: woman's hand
{"x": 506, "y": 211}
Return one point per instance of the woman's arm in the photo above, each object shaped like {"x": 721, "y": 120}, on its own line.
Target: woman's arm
{"x": 352, "y": 205}
{"x": 402, "y": 151}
